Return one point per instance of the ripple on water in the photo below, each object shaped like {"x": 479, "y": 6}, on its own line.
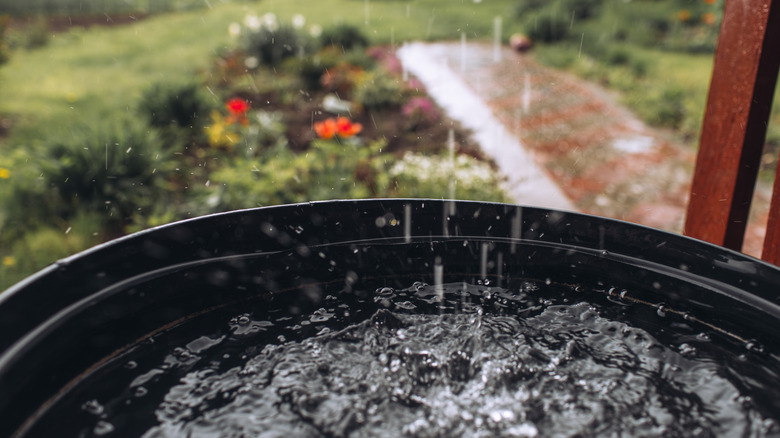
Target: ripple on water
{"x": 562, "y": 370}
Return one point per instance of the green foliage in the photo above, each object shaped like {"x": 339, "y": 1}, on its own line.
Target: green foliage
{"x": 328, "y": 170}
{"x": 378, "y": 89}
{"x": 272, "y": 45}
{"x": 549, "y": 28}
{"x": 113, "y": 169}
{"x": 668, "y": 107}
{"x": 176, "y": 106}
{"x": 344, "y": 36}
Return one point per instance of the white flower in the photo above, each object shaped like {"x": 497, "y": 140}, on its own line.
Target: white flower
{"x": 251, "y": 62}
{"x": 252, "y": 22}
{"x": 234, "y": 29}
{"x": 298, "y": 21}
{"x": 315, "y": 30}
{"x": 270, "y": 22}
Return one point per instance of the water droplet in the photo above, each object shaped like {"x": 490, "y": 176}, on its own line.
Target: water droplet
{"x": 623, "y": 294}
{"x": 93, "y": 407}
{"x": 661, "y": 310}
{"x": 243, "y": 320}
{"x": 754, "y": 347}
{"x": 547, "y": 281}
{"x": 130, "y": 365}
{"x": 141, "y": 391}
{"x": 102, "y": 428}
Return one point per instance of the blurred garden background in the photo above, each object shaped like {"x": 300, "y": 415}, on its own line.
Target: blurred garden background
{"x": 119, "y": 115}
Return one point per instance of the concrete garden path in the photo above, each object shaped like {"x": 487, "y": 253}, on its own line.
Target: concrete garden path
{"x": 562, "y": 142}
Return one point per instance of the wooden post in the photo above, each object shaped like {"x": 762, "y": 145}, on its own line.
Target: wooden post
{"x": 735, "y": 122}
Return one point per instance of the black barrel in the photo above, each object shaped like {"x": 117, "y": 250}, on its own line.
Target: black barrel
{"x": 75, "y": 317}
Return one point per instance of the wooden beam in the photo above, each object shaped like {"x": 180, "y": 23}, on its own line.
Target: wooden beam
{"x": 735, "y": 122}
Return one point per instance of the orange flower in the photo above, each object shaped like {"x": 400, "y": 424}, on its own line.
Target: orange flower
{"x": 346, "y": 128}
{"x": 325, "y": 129}
{"x": 684, "y": 15}
{"x": 342, "y": 126}
{"x": 708, "y": 18}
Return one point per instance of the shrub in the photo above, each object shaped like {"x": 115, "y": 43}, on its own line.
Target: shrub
{"x": 549, "y": 28}
{"x": 344, "y": 36}
{"x": 666, "y": 107}
{"x": 378, "y": 89}
{"x": 183, "y": 108}
{"x": 272, "y": 45}
{"x": 116, "y": 169}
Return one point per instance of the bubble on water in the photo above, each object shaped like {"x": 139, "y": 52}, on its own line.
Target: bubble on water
{"x": 131, "y": 365}
{"x": 140, "y": 391}
{"x": 703, "y": 336}
{"x": 661, "y": 310}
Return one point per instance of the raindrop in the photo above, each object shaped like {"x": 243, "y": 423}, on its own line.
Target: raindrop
{"x": 407, "y": 223}
{"x": 438, "y": 279}
{"x": 483, "y": 260}
{"x": 661, "y": 310}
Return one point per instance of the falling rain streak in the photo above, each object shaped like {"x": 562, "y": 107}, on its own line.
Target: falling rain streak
{"x": 407, "y": 223}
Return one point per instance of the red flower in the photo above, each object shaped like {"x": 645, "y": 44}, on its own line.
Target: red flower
{"x": 237, "y": 106}
{"x": 346, "y": 128}
{"x": 325, "y": 129}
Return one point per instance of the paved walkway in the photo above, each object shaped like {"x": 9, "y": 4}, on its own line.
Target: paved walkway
{"x": 527, "y": 183}
{"x": 561, "y": 142}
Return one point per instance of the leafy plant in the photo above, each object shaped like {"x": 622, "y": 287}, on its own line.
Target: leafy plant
{"x": 378, "y": 89}
{"x": 272, "y": 45}
{"x": 116, "y": 169}
{"x": 344, "y": 36}
{"x": 180, "y": 107}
